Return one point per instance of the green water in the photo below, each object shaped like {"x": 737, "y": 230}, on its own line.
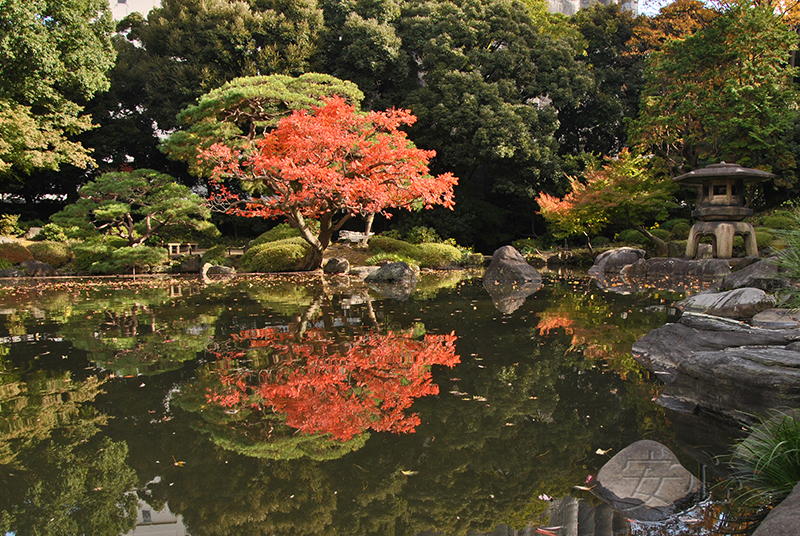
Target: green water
{"x": 290, "y": 405}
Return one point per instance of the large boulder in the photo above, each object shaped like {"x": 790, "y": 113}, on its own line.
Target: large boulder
{"x": 336, "y": 266}
{"x": 739, "y": 303}
{"x": 663, "y": 267}
{"x": 723, "y": 366}
{"x": 613, "y": 260}
{"x": 645, "y": 481}
{"x": 762, "y": 274}
{"x": 509, "y": 266}
{"x": 38, "y": 269}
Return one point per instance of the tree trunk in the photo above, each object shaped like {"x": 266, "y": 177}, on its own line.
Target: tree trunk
{"x": 367, "y": 229}
{"x": 661, "y": 247}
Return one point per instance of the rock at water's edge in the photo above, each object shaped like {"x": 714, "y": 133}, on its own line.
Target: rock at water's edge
{"x": 646, "y": 481}
{"x": 613, "y": 260}
{"x": 739, "y": 303}
{"x": 509, "y": 266}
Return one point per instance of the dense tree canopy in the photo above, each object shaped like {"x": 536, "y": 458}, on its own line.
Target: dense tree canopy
{"x": 724, "y": 93}
{"x": 54, "y": 56}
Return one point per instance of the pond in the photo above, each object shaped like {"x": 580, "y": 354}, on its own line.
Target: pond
{"x": 302, "y": 405}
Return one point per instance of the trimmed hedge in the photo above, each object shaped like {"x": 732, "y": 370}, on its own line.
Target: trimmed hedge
{"x": 383, "y": 244}
{"x": 680, "y": 231}
{"x": 282, "y": 231}
{"x": 279, "y": 256}
{"x": 435, "y": 255}
{"x": 55, "y": 254}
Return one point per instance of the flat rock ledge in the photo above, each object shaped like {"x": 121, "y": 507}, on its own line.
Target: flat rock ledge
{"x": 740, "y": 303}
{"x": 723, "y": 366}
{"x": 645, "y": 481}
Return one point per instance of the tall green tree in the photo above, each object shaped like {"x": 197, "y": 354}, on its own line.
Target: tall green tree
{"x": 54, "y": 55}
{"x": 493, "y": 75}
{"x": 724, "y": 93}
{"x": 596, "y": 124}
{"x": 194, "y": 46}
{"x": 361, "y": 43}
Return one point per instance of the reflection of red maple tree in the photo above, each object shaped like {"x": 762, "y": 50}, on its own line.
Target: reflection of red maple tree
{"x": 339, "y": 388}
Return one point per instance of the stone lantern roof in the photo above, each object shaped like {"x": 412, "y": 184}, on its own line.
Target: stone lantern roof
{"x": 721, "y": 190}
{"x": 723, "y": 170}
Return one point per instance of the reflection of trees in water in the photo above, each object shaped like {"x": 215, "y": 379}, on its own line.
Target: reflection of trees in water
{"x": 600, "y": 329}
{"x": 322, "y": 374}
{"x": 59, "y": 475}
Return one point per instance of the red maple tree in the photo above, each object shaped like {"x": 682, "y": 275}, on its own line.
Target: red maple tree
{"x": 329, "y": 164}
{"x": 341, "y": 388}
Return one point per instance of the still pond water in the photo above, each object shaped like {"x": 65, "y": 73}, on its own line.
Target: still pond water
{"x": 292, "y": 406}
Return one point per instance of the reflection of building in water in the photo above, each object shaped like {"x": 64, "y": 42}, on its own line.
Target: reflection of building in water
{"x": 570, "y": 7}
{"x": 150, "y": 522}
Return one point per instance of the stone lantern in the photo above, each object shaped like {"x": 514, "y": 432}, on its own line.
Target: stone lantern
{"x": 721, "y": 208}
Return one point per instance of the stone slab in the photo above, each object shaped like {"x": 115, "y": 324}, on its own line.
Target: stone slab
{"x": 784, "y": 520}
{"x": 645, "y": 481}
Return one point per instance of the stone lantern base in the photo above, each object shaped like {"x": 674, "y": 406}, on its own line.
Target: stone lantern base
{"x": 722, "y": 233}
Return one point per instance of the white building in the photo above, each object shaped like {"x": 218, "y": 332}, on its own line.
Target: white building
{"x": 122, "y": 8}
{"x": 570, "y": 7}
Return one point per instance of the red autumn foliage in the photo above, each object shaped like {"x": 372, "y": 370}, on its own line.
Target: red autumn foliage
{"x": 329, "y": 164}
{"x": 339, "y": 388}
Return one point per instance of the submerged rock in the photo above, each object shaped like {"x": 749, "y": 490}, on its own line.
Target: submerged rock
{"x": 645, "y": 481}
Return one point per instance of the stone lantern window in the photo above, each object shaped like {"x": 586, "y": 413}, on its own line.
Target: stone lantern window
{"x": 721, "y": 207}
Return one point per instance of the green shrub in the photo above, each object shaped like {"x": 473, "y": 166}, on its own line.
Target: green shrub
{"x": 279, "y": 256}
{"x": 432, "y": 255}
{"x": 632, "y": 236}
{"x": 658, "y": 232}
{"x": 383, "y": 244}
{"x": 53, "y": 232}
{"x": 767, "y": 462}
{"x": 140, "y": 258}
{"x": 669, "y": 225}
{"x": 55, "y": 254}
{"x": 282, "y": 231}
{"x": 680, "y": 231}
{"x": 91, "y": 252}
{"x": 380, "y": 258}
{"x": 5, "y": 264}
{"x": 15, "y": 253}
{"x": 422, "y": 234}
{"x": 217, "y": 255}
{"x": 9, "y": 225}
{"x": 600, "y": 241}
{"x": 527, "y": 244}
{"x": 764, "y": 238}
{"x": 783, "y": 223}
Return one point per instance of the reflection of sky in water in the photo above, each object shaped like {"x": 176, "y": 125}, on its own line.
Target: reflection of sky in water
{"x": 536, "y": 393}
